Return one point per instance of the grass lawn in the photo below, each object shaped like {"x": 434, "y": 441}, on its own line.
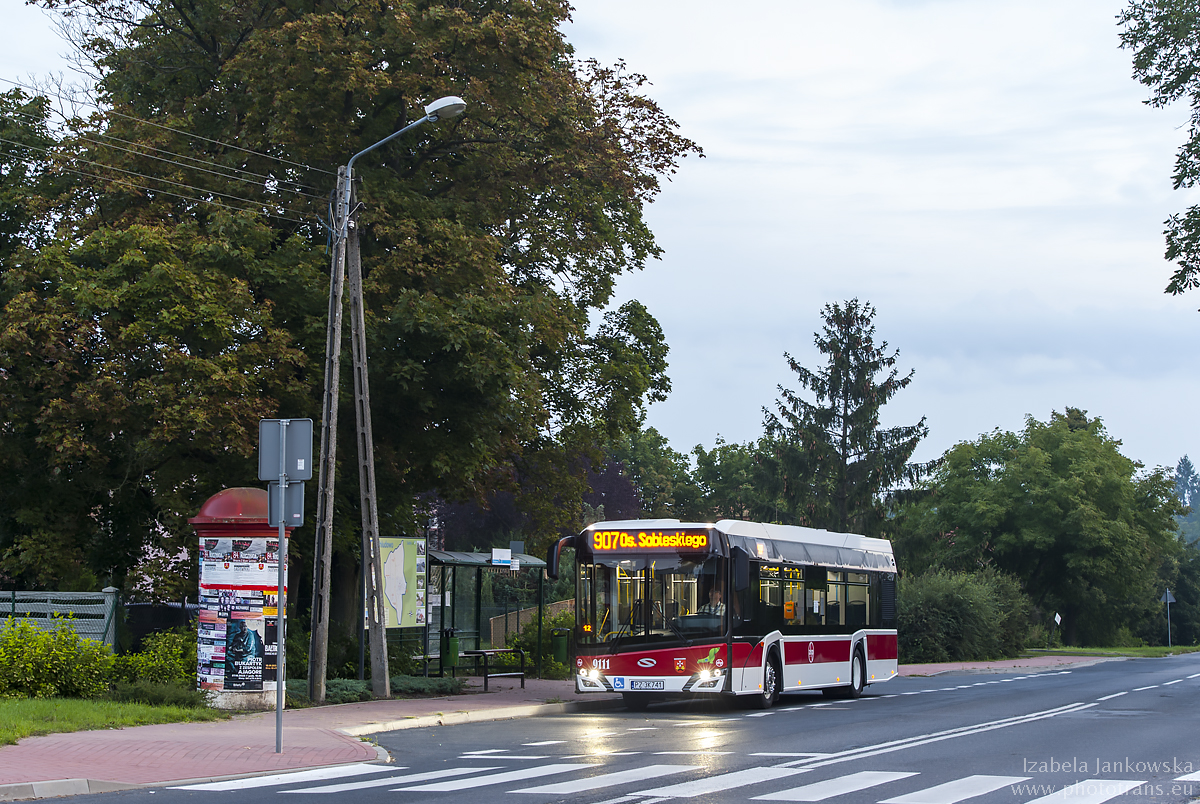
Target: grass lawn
{"x": 1150, "y": 652}
{"x": 25, "y": 717}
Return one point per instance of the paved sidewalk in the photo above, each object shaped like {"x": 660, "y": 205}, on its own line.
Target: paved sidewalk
{"x": 116, "y": 759}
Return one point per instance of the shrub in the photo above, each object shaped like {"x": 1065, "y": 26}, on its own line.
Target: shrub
{"x": 350, "y": 690}
{"x": 526, "y": 640}
{"x": 36, "y": 663}
{"x": 954, "y": 616}
{"x": 167, "y": 656}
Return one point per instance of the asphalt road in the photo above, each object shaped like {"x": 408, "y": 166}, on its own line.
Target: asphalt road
{"x": 1121, "y": 731}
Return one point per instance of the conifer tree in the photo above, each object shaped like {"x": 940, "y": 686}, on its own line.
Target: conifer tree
{"x": 834, "y": 459}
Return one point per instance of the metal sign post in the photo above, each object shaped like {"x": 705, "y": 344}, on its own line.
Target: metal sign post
{"x": 289, "y": 442}
{"x": 1168, "y": 598}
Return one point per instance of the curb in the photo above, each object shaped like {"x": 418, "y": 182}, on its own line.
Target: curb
{"x": 484, "y": 716}
{"x": 60, "y": 787}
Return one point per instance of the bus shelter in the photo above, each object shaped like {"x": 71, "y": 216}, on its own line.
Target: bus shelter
{"x": 480, "y": 604}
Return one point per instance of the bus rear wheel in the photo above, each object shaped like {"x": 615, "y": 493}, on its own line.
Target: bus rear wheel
{"x": 858, "y": 679}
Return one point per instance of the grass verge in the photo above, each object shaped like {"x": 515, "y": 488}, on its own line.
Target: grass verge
{"x": 28, "y": 717}
{"x": 1156, "y": 651}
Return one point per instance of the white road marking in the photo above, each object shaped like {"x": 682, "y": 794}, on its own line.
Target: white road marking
{"x": 947, "y": 689}
{"x": 959, "y": 789}
{"x": 787, "y": 754}
{"x": 924, "y": 739}
{"x": 644, "y": 728}
{"x": 918, "y": 692}
{"x": 1194, "y": 675}
{"x": 893, "y": 695}
{"x": 724, "y": 781}
{"x": 495, "y": 778}
{"x": 506, "y": 756}
{"x": 819, "y": 791}
{"x": 1139, "y": 689}
{"x": 603, "y": 754}
{"x": 1191, "y": 777}
{"x": 545, "y": 742}
{"x": 1089, "y": 791}
{"x": 1114, "y": 695}
{"x": 389, "y": 780}
{"x": 1176, "y": 681}
{"x": 315, "y": 775}
{"x": 608, "y": 779}
{"x": 760, "y": 714}
{"x": 488, "y": 751}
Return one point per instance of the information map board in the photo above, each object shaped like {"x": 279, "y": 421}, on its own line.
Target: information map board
{"x": 404, "y": 565}
{"x": 239, "y": 600}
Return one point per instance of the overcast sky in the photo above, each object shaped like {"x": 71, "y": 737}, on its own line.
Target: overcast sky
{"x": 985, "y": 173}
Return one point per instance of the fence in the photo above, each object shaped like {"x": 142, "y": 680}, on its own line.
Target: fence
{"x": 514, "y": 621}
{"x": 94, "y": 614}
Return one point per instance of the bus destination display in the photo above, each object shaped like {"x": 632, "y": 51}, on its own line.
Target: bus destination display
{"x": 607, "y": 541}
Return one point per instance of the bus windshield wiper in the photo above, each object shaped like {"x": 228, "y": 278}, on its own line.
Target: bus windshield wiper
{"x": 676, "y": 630}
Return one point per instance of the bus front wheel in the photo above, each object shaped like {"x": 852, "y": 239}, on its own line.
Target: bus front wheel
{"x": 772, "y": 679}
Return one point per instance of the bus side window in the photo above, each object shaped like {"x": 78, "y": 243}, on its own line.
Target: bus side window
{"x": 858, "y": 599}
{"x": 835, "y": 597}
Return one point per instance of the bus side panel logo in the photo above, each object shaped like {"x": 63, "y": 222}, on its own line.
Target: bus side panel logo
{"x": 646, "y": 662}
{"x": 812, "y": 652}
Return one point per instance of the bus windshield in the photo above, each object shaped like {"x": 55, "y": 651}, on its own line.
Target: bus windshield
{"x": 637, "y": 599}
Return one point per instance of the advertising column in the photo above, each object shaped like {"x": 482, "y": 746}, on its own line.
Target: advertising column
{"x": 239, "y": 598}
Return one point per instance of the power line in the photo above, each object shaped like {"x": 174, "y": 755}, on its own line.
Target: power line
{"x": 167, "y": 128}
{"x": 56, "y": 155}
{"x": 174, "y": 195}
{"x": 224, "y": 172}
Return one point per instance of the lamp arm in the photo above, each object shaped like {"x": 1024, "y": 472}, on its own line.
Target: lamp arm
{"x": 344, "y": 213}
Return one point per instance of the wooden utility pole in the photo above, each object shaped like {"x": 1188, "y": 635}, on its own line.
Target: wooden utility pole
{"x": 318, "y": 646}
{"x": 372, "y": 566}
{"x": 345, "y": 249}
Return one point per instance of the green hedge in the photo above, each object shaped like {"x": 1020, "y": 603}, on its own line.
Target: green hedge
{"x": 167, "y": 656}
{"x": 956, "y": 616}
{"x": 51, "y": 664}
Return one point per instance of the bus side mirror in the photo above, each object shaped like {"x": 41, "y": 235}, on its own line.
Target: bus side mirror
{"x": 554, "y": 553}
{"x": 741, "y": 569}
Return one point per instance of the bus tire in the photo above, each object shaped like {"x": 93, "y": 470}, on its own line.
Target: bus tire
{"x": 772, "y": 679}
{"x": 858, "y": 679}
{"x": 858, "y": 674}
{"x": 635, "y": 702}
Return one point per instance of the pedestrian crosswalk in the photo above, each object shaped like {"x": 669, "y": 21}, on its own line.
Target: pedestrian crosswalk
{"x": 669, "y": 781}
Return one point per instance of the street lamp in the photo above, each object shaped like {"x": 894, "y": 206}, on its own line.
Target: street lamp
{"x": 345, "y": 251}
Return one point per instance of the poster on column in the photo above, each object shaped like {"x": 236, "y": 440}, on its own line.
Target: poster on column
{"x": 403, "y": 581}
{"x": 236, "y": 648}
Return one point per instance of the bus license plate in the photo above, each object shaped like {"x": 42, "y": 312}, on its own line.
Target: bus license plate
{"x": 646, "y": 685}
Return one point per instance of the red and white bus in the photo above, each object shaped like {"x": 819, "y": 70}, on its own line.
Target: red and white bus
{"x": 664, "y": 608}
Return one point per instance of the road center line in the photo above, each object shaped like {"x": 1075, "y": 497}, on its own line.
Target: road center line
{"x": 1114, "y": 695}
{"x": 1140, "y": 689}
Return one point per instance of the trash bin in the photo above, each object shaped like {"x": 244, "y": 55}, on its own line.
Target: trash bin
{"x": 450, "y": 647}
{"x": 559, "y": 639}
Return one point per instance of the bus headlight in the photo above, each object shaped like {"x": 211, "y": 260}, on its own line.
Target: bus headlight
{"x": 708, "y": 677}
{"x": 590, "y": 676}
